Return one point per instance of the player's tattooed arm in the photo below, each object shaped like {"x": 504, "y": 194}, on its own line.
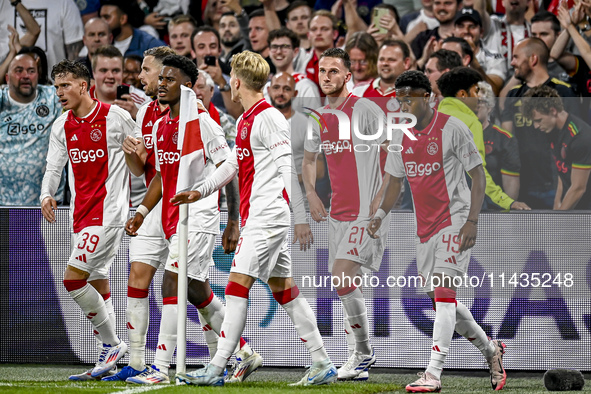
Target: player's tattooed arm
{"x": 317, "y": 210}
{"x": 470, "y": 228}
{"x": 392, "y": 187}
{"x": 232, "y": 231}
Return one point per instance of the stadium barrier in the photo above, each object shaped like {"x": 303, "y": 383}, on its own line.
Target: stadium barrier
{"x": 529, "y": 284}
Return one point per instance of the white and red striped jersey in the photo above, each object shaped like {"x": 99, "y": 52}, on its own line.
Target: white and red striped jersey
{"x": 145, "y": 119}
{"x": 204, "y": 214}
{"x": 98, "y": 177}
{"x": 263, "y": 136}
{"x": 435, "y": 166}
{"x": 354, "y": 163}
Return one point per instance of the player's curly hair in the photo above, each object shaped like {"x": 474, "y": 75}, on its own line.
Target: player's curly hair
{"x": 414, "y": 80}
{"x": 186, "y": 66}
{"x": 339, "y": 54}
{"x": 542, "y": 99}
{"x": 459, "y": 78}
{"x": 75, "y": 69}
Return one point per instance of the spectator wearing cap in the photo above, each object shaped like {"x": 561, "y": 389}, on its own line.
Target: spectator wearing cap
{"x": 488, "y": 61}
{"x": 121, "y": 15}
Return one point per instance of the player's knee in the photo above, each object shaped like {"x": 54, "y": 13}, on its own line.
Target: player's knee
{"x": 74, "y": 284}
{"x": 237, "y": 290}
{"x": 287, "y": 295}
{"x": 443, "y": 294}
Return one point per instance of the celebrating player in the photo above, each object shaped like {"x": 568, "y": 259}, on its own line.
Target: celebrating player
{"x": 356, "y": 181}
{"x": 90, "y": 134}
{"x": 262, "y": 158}
{"x": 148, "y": 250}
{"x": 203, "y": 224}
{"x": 447, "y": 217}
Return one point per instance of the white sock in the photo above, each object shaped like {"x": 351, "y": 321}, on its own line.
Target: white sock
{"x": 93, "y": 306}
{"x": 443, "y": 329}
{"x": 211, "y": 337}
{"x": 168, "y": 334}
{"x": 356, "y": 311}
{"x": 232, "y": 326}
{"x": 110, "y": 309}
{"x": 350, "y": 338}
{"x": 304, "y": 321}
{"x": 138, "y": 319}
{"x": 467, "y": 327}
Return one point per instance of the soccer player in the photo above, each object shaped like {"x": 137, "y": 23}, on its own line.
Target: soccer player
{"x": 570, "y": 141}
{"x": 90, "y": 134}
{"x": 203, "y": 224}
{"x": 356, "y": 181}
{"x": 148, "y": 250}
{"x": 447, "y": 218}
{"x": 262, "y": 158}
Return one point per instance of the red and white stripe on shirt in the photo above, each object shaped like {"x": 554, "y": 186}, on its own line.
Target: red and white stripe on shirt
{"x": 354, "y": 163}
{"x": 98, "y": 173}
{"x": 146, "y": 118}
{"x": 435, "y": 166}
{"x": 262, "y": 137}
{"x": 204, "y": 214}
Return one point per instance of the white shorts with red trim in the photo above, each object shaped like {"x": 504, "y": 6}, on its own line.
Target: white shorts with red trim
{"x": 150, "y": 245}
{"x": 263, "y": 253}
{"x": 93, "y": 250}
{"x": 441, "y": 254}
{"x": 350, "y": 241}
{"x": 199, "y": 255}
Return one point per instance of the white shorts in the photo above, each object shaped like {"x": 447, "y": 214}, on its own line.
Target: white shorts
{"x": 150, "y": 245}
{"x": 350, "y": 241}
{"x": 263, "y": 253}
{"x": 199, "y": 255}
{"x": 441, "y": 255}
{"x": 94, "y": 249}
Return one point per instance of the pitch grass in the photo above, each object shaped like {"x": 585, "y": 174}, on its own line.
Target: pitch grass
{"x": 29, "y": 378}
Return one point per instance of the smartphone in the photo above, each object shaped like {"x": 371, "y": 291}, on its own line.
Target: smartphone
{"x": 209, "y": 60}
{"x": 121, "y": 90}
{"x": 377, "y": 15}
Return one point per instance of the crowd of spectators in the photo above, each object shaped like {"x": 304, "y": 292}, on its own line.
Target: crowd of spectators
{"x": 510, "y": 46}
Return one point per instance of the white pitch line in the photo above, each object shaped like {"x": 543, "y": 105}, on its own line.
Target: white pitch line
{"x": 142, "y": 389}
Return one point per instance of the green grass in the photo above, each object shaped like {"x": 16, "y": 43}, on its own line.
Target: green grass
{"x": 44, "y": 379}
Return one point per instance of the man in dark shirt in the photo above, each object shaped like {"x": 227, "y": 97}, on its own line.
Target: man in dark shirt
{"x": 570, "y": 142}
{"x": 538, "y": 176}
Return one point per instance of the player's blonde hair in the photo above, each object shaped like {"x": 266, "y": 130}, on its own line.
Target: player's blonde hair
{"x": 252, "y": 69}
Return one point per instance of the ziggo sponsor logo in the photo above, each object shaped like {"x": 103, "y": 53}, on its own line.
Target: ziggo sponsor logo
{"x": 412, "y": 169}
{"x": 84, "y": 156}
{"x": 168, "y": 157}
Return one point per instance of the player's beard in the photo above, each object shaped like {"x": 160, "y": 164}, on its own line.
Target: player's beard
{"x": 336, "y": 89}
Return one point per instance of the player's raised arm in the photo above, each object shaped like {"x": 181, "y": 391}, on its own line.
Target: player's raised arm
{"x": 220, "y": 178}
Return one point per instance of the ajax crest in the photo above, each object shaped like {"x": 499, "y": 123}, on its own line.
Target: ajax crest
{"x": 432, "y": 148}
{"x": 96, "y": 135}
{"x": 244, "y": 133}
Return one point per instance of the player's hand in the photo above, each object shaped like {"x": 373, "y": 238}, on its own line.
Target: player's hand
{"x": 468, "y": 236}
{"x": 127, "y": 104}
{"x": 130, "y": 145}
{"x": 185, "y": 198}
{"x": 303, "y": 234}
{"x": 520, "y": 206}
{"x": 231, "y": 236}
{"x": 134, "y": 224}
{"x": 48, "y": 207}
{"x": 317, "y": 209}
{"x": 373, "y": 227}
